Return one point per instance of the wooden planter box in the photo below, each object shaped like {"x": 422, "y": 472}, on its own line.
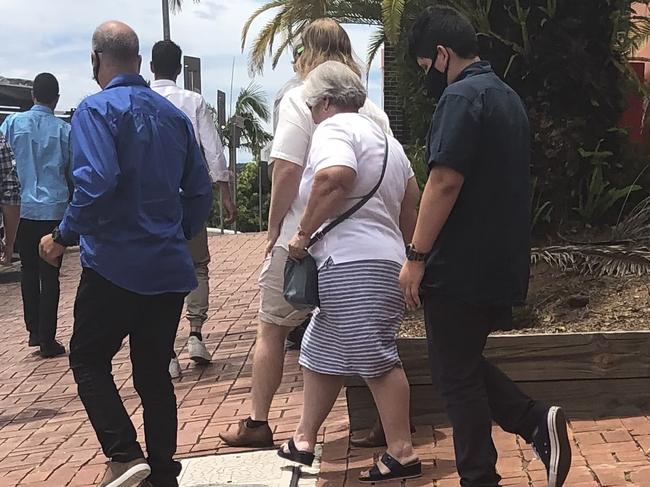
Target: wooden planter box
{"x": 592, "y": 375}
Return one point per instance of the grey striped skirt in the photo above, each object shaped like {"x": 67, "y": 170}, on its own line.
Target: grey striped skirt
{"x": 361, "y": 310}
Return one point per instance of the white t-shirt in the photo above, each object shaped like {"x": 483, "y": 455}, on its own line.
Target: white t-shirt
{"x": 292, "y": 141}
{"x": 372, "y": 233}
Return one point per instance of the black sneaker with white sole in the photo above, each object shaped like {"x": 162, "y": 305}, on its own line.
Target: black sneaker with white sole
{"x": 552, "y": 445}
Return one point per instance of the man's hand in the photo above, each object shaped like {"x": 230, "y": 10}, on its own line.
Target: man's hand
{"x": 228, "y": 206}
{"x": 298, "y": 247}
{"x": 409, "y": 280}
{"x": 6, "y": 252}
{"x": 272, "y": 237}
{"x": 50, "y": 251}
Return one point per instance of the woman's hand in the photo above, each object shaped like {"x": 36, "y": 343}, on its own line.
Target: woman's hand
{"x": 298, "y": 246}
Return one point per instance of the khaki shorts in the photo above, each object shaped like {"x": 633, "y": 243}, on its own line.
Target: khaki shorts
{"x": 273, "y": 307}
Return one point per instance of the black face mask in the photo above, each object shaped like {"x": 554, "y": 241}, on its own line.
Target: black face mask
{"x": 435, "y": 82}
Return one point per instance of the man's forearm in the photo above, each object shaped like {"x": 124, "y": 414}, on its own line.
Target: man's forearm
{"x": 11, "y": 219}
{"x": 224, "y": 189}
{"x": 286, "y": 182}
{"x": 438, "y": 200}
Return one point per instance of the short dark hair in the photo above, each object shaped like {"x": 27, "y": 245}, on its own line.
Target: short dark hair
{"x": 442, "y": 26}
{"x": 45, "y": 88}
{"x": 166, "y": 58}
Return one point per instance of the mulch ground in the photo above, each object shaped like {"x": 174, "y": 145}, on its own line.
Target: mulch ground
{"x": 561, "y": 302}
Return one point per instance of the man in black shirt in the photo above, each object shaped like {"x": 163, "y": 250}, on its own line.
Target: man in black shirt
{"x": 470, "y": 255}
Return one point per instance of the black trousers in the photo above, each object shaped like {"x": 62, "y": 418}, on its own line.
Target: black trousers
{"x": 40, "y": 281}
{"x": 476, "y": 393}
{"x": 104, "y": 315}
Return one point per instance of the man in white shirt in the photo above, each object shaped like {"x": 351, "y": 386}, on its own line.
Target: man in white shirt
{"x": 166, "y": 66}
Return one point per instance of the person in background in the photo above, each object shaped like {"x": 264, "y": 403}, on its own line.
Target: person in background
{"x": 289, "y": 85}
{"x": 141, "y": 191}
{"x": 41, "y": 143}
{"x": 166, "y": 67}
{"x": 359, "y": 261}
{"x": 323, "y": 40}
{"x": 470, "y": 254}
{"x": 9, "y": 201}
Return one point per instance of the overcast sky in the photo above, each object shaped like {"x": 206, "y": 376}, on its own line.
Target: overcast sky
{"x": 42, "y": 35}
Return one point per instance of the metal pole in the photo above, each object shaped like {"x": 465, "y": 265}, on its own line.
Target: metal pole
{"x": 221, "y": 209}
{"x": 259, "y": 186}
{"x": 233, "y": 167}
{"x": 165, "y": 12}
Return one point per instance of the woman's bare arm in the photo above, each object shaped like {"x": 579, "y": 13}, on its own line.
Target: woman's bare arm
{"x": 330, "y": 188}
{"x": 409, "y": 214}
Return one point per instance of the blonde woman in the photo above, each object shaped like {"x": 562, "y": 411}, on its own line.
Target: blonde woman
{"x": 323, "y": 40}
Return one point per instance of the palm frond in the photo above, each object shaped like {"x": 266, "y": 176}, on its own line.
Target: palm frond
{"x": 263, "y": 43}
{"x": 255, "y": 15}
{"x": 392, "y": 12}
{"x": 294, "y": 15}
{"x": 636, "y": 226}
{"x": 177, "y": 5}
{"x": 376, "y": 41}
{"x": 602, "y": 260}
{"x": 253, "y": 99}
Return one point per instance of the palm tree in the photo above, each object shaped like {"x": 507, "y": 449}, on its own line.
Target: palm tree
{"x": 173, "y": 6}
{"x": 252, "y": 107}
{"x": 294, "y": 15}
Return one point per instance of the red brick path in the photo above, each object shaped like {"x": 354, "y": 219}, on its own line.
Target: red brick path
{"x": 46, "y": 439}
{"x": 45, "y": 436}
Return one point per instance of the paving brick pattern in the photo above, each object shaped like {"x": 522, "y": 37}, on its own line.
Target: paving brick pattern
{"x": 46, "y": 439}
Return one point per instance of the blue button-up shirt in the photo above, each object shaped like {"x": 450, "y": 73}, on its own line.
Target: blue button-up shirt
{"x": 41, "y": 144}
{"x": 141, "y": 188}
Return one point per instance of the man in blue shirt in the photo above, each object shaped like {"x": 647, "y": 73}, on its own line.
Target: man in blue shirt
{"x": 141, "y": 191}
{"x": 41, "y": 143}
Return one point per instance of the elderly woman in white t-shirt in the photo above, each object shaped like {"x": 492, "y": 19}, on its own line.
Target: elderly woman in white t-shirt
{"x": 359, "y": 264}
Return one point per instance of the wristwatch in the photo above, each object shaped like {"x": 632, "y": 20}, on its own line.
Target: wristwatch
{"x": 58, "y": 238}
{"x": 413, "y": 255}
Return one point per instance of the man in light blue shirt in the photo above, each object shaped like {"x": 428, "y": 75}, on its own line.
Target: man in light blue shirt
{"x": 41, "y": 143}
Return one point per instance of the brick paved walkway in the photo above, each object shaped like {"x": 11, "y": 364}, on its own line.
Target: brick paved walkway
{"x": 46, "y": 439}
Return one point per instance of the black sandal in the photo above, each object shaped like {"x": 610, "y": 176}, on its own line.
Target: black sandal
{"x": 397, "y": 471}
{"x": 295, "y": 455}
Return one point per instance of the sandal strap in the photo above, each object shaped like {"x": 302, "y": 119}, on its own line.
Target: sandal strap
{"x": 391, "y": 464}
{"x": 374, "y": 473}
{"x": 292, "y": 447}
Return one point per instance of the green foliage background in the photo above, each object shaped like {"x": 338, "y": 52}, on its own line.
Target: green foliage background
{"x": 567, "y": 59}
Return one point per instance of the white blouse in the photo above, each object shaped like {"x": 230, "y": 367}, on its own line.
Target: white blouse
{"x": 372, "y": 233}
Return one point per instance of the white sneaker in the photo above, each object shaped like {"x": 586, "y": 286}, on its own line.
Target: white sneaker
{"x": 198, "y": 352}
{"x": 175, "y": 368}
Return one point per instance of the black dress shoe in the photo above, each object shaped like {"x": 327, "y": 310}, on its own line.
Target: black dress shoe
{"x": 51, "y": 350}
{"x": 34, "y": 341}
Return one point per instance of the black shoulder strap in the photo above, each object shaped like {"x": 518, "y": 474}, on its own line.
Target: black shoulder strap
{"x": 341, "y": 218}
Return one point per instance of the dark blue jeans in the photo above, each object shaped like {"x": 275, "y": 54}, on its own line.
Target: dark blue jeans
{"x": 105, "y": 315}
{"x": 475, "y": 392}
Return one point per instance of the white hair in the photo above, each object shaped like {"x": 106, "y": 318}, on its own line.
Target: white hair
{"x": 336, "y": 82}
